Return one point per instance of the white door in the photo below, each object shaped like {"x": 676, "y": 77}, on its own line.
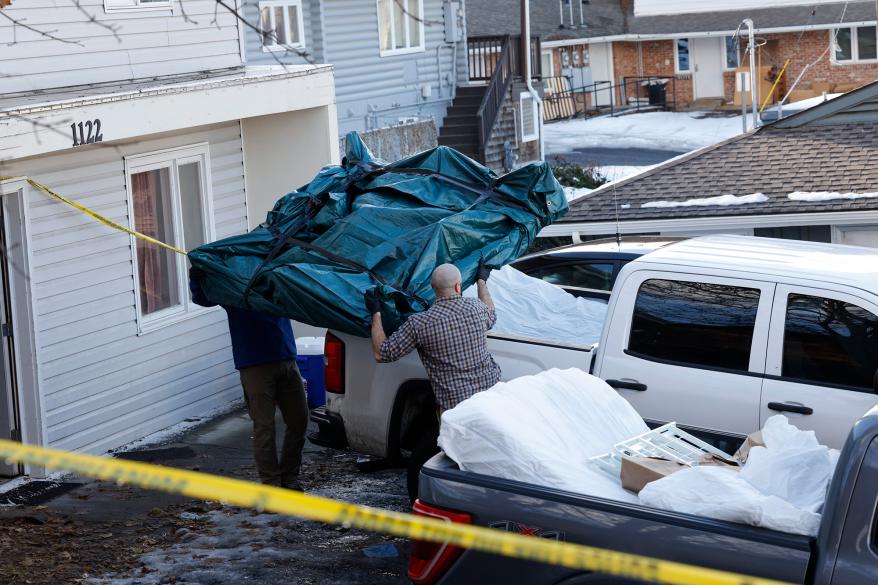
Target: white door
{"x": 859, "y": 236}
{"x": 691, "y": 351}
{"x": 822, "y": 360}
{"x": 601, "y": 63}
{"x": 707, "y": 67}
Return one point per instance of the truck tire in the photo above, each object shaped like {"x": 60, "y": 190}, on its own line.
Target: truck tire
{"x": 424, "y": 448}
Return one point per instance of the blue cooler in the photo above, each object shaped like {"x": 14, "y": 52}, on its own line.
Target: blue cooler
{"x": 310, "y": 361}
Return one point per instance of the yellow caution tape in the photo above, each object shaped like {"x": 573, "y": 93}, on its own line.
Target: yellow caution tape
{"x": 265, "y": 498}
{"x": 104, "y": 220}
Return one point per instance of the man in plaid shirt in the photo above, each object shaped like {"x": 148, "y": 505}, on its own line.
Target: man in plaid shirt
{"x": 451, "y": 338}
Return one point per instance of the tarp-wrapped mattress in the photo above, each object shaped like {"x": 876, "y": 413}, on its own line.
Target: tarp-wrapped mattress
{"x": 367, "y": 224}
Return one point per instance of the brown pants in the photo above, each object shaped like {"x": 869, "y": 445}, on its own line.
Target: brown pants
{"x": 268, "y": 387}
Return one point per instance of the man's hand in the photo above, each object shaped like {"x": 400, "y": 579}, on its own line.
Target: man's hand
{"x": 373, "y": 303}
{"x": 483, "y": 271}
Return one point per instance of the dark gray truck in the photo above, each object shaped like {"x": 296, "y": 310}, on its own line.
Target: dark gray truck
{"x": 845, "y": 552}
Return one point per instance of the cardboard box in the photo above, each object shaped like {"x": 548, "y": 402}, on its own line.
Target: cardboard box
{"x": 821, "y": 86}
{"x": 752, "y": 440}
{"x": 846, "y": 87}
{"x": 639, "y": 471}
{"x": 798, "y": 95}
{"x": 720, "y": 462}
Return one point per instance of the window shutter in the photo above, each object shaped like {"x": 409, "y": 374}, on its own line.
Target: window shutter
{"x": 529, "y": 123}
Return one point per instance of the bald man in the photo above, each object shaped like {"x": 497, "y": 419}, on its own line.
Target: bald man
{"x": 450, "y": 336}
{"x": 452, "y": 342}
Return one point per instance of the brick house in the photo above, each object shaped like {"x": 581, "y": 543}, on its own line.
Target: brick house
{"x": 809, "y": 176}
{"x": 692, "y": 42}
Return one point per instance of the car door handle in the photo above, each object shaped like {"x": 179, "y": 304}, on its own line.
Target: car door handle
{"x": 627, "y": 385}
{"x": 787, "y": 407}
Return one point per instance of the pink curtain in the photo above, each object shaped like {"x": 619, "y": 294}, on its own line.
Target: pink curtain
{"x": 152, "y": 262}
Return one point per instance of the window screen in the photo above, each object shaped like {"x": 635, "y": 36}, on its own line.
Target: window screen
{"x": 830, "y": 341}
{"x": 866, "y": 41}
{"x": 597, "y": 276}
{"x": 153, "y": 216}
{"x": 683, "y": 54}
{"x": 694, "y": 323}
{"x": 843, "y": 47}
{"x": 807, "y": 233}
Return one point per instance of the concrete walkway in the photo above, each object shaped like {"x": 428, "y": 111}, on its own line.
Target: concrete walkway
{"x": 102, "y": 533}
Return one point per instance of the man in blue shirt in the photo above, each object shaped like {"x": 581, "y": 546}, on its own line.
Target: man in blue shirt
{"x": 264, "y": 352}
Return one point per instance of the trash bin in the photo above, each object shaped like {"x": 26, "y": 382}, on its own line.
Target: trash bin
{"x": 657, "y": 93}
{"x": 310, "y": 361}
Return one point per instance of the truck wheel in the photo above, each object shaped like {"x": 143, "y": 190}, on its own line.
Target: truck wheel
{"x": 424, "y": 448}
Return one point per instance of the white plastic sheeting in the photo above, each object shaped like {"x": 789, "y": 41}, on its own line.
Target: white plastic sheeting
{"x": 531, "y": 307}
{"x": 782, "y": 486}
{"x": 542, "y": 430}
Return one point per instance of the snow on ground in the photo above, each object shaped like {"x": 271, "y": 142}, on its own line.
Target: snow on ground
{"x": 675, "y": 131}
{"x": 828, "y": 196}
{"x": 720, "y": 200}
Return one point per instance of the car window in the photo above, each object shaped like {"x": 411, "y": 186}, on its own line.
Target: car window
{"x": 830, "y": 341}
{"x": 695, "y": 323}
{"x": 582, "y": 275}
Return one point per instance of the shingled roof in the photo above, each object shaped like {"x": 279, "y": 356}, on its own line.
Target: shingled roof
{"x": 503, "y": 17}
{"x": 615, "y": 18}
{"x": 829, "y": 148}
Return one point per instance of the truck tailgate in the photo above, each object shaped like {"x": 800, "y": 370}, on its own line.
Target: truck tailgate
{"x": 512, "y": 505}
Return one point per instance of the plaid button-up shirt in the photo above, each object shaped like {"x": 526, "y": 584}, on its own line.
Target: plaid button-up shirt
{"x": 451, "y": 339}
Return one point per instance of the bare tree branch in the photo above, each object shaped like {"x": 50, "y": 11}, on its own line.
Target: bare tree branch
{"x": 416, "y": 18}
{"x": 47, "y": 34}
{"x": 113, "y": 28}
{"x": 271, "y": 35}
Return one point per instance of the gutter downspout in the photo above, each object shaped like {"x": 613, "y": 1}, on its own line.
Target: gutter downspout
{"x": 751, "y": 48}
{"x": 525, "y": 47}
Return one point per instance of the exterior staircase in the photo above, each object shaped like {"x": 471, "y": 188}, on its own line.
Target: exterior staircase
{"x": 460, "y": 129}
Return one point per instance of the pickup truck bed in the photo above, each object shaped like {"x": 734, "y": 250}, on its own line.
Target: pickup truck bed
{"x": 606, "y": 524}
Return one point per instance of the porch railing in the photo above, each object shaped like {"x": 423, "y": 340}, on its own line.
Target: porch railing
{"x": 631, "y": 94}
{"x": 485, "y": 52}
{"x": 501, "y": 79}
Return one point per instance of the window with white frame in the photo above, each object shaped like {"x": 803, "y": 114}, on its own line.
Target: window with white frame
{"x": 282, "y": 24}
{"x": 113, "y": 5}
{"x": 681, "y": 55}
{"x": 530, "y": 124}
{"x": 400, "y": 26}
{"x": 855, "y": 44}
{"x": 169, "y": 199}
{"x": 732, "y": 57}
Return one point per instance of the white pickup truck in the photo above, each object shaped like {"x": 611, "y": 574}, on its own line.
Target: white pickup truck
{"x": 717, "y": 333}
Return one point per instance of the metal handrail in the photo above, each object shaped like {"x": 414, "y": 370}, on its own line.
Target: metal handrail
{"x": 495, "y": 94}
{"x": 620, "y": 91}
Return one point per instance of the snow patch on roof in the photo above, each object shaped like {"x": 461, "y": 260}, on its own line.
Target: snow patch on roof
{"x": 828, "y": 196}
{"x": 576, "y": 192}
{"x": 720, "y": 201}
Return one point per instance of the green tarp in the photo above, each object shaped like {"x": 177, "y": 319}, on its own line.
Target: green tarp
{"x": 366, "y": 223}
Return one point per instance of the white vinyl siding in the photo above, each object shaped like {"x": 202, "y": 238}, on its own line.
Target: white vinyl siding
{"x": 666, "y": 7}
{"x": 101, "y": 384}
{"x": 149, "y": 43}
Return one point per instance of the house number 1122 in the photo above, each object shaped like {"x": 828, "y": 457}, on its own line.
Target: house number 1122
{"x": 86, "y": 132}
